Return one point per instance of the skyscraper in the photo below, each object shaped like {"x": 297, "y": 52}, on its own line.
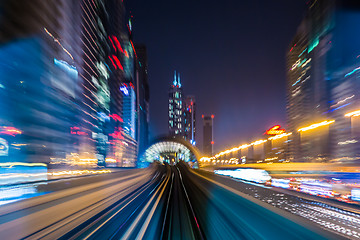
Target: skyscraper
{"x": 190, "y": 119}
{"x": 176, "y": 108}
{"x": 208, "y": 141}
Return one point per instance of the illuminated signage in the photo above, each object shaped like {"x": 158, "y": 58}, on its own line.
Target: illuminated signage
{"x": 124, "y": 90}
{"x": 275, "y": 130}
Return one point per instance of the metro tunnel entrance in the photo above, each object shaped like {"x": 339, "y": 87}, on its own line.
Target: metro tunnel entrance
{"x": 171, "y": 151}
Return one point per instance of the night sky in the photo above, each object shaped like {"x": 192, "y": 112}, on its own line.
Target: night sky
{"x": 231, "y": 56}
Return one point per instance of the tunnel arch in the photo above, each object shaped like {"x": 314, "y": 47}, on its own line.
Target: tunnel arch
{"x": 170, "y": 149}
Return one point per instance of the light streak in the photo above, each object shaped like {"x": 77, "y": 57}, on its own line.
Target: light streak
{"x": 58, "y": 42}
{"x": 341, "y": 101}
{"x": 353, "y": 114}
{"x": 316, "y": 125}
{"x": 279, "y": 136}
{"x": 12, "y": 164}
{"x": 352, "y": 72}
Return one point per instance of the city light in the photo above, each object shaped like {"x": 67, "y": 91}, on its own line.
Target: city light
{"x": 279, "y": 136}
{"x": 353, "y": 114}
{"x": 316, "y": 125}
{"x": 10, "y": 131}
{"x": 347, "y": 142}
{"x": 258, "y": 142}
{"x": 12, "y": 164}
{"x": 275, "y": 130}
{"x": 110, "y": 160}
{"x": 255, "y": 143}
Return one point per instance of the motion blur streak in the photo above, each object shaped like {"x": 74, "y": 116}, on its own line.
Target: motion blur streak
{"x": 160, "y": 202}
{"x": 59, "y": 212}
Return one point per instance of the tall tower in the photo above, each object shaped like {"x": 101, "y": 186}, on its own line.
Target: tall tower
{"x": 208, "y": 135}
{"x": 176, "y": 108}
{"x": 190, "y": 119}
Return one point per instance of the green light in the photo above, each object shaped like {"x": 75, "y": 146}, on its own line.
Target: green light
{"x": 313, "y": 45}
{"x": 302, "y": 52}
{"x": 302, "y": 62}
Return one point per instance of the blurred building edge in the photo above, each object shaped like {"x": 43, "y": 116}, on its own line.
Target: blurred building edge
{"x": 143, "y": 97}
{"x": 62, "y": 95}
{"x": 323, "y": 67}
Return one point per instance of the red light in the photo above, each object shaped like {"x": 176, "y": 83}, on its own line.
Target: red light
{"x": 75, "y": 131}
{"x": 133, "y": 48}
{"x": 116, "y": 117}
{"x": 202, "y": 116}
{"x": 275, "y": 130}
{"x": 117, "y": 133}
{"x": 118, "y": 44}
{"x": 292, "y": 48}
{"x": 112, "y": 43}
{"x": 212, "y": 116}
{"x": 113, "y": 63}
{"x": 212, "y": 142}
{"x": 118, "y": 62}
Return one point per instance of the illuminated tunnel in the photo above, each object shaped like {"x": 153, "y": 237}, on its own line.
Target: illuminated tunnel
{"x": 170, "y": 150}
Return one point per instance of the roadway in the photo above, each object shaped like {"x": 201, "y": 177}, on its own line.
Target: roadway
{"x": 160, "y": 202}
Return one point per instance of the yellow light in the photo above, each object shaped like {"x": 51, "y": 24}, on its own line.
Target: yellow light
{"x": 258, "y": 142}
{"x": 18, "y": 144}
{"x": 79, "y": 172}
{"x": 353, "y": 114}
{"x": 316, "y": 125}
{"x": 110, "y": 160}
{"x": 245, "y": 146}
{"x": 238, "y": 148}
{"x": 279, "y": 136}
{"x": 269, "y": 159}
{"x": 204, "y": 159}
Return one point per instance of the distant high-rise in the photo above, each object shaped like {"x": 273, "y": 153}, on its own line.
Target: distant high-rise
{"x": 208, "y": 135}
{"x": 190, "y": 119}
{"x": 176, "y": 108}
